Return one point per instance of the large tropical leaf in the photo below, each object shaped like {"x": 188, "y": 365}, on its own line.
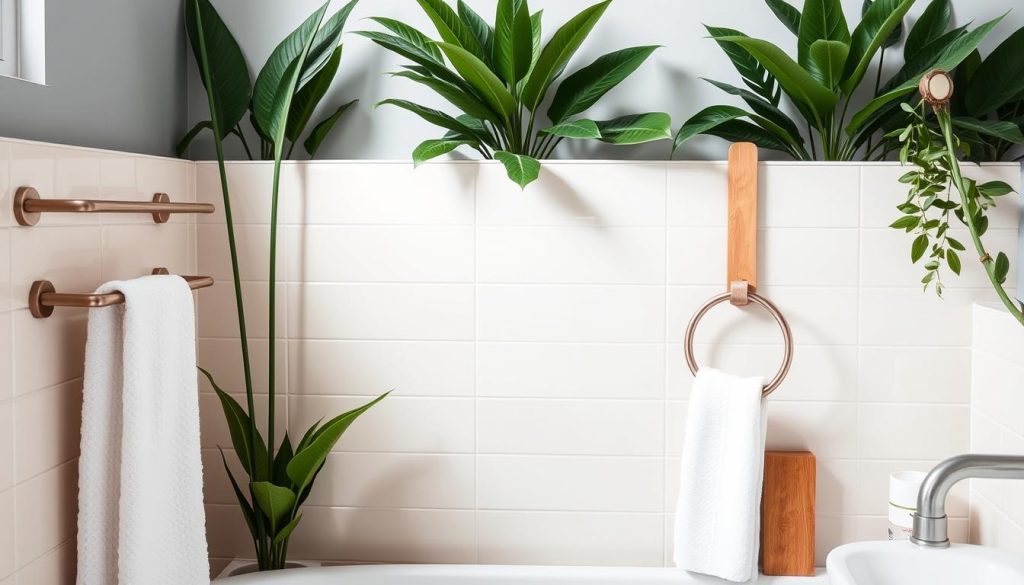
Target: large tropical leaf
{"x": 410, "y": 49}
{"x": 787, "y": 14}
{"x": 282, "y": 70}
{"x": 283, "y": 534}
{"x": 577, "y": 129}
{"x": 583, "y": 89}
{"x": 478, "y": 26}
{"x": 222, "y": 62}
{"x": 307, "y": 461}
{"x": 822, "y": 20}
{"x": 923, "y": 60}
{"x": 513, "y": 40}
{"x": 275, "y": 501}
{"x": 826, "y": 61}
{"x": 557, "y": 53}
{"x": 795, "y": 81}
{"x": 326, "y": 41}
{"x": 322, "y": 130}
{"x": 705, "y": 120}
{"x": 186, "y": 141}
{"x": 308, "y": 98}
{"x": 874, "y": 29}
{"x": 636, "y": 128}
{"x": 431, "y": 149}
{"x": 950, "y": 57}
{"x": 486, "y": 83}
{"x": 743, "y": 131}
{"x": 999, "y": 79}
{"x": 998, "y": 129}
{"x": 897, "y": 33}
{"x": 451, "y": 28}
{"x": 754, "y": 75}
{"x": 522, "y": 169}
{"x": 933, "y": 24}
{"x": 765, "y": 109}
{"x": 466, "y": 102}
{"x": 247, "y": 511}
{"x": 415, "y": 39}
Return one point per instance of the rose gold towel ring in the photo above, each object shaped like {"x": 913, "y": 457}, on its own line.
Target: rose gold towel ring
{"x": 742, "y": 271}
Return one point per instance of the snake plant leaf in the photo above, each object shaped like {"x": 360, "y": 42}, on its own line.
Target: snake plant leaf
{"x": 247, "y": 511}
{"x": 522, "y": 169}
{"x": 1000, "y": 78}
{"x": 435, "y": 117}
{"x": 999, "y": 129}
{"x": 275, "y": 501}
{"x": 513, "y": 40}
{"x": 186, "y": 141}
{"x": 451, "y": 28}
{"x": 577, "y": 129}
{"x": 897, "y": 33}
{"x": 467, "y": 102}
{"x": 308, "y": 98}
{"x": 323, "y": 129}
{"x": 822, "y": 20}
{"x": 558, "y": 51}
{"x": 795, "y": 81}
{"x": 478, "y": 26}
{"x": 416, "y": 40}
{"x": 636, "y": 128}
{"x": 586, "y": 87}
{"x": 307, "y": 461}
{"x": 222, "y": 61}
{"x": 326, "y": 41}
{"x": 875, "y": 27}
{"x": 281, "y": 461}
{"x": 283, "y": 534}
{"x": 765, "y": 109}
{"x": 931, "y": 25}
{"x": 282, "y": 69}
{"x": 754, "y": 75}
{"x": 431, "y": 149}
{"x": 239, "y": 428}
{"x": 950, "y": 57}
{"x": 705, "y": 120}
{"x": 486, "y": 83}
{"x": 743, "y": 131}
{"x": 787, "y": 14}
{"x": 826, "y": 61}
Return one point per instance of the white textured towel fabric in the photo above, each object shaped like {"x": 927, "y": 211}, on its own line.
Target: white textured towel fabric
{"x": 718, "y": 516}
{"x": 140, "y": 487}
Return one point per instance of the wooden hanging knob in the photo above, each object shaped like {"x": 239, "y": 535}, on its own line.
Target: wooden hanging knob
{"x": 937, "y": 88}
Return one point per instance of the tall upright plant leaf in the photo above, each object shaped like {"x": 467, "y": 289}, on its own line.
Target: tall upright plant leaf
{"x": 513, "y": 40}
{"x": 478, "y": 26}
{"x": 754, "y": 75}
{"x": 933, "y": 23}
{"x": 310, "y": 96}
{"x": 451, "y": 28}
{"x": 999, "y": 79}
{"x": 583, "y": 89}
{"x": 226, "y": 67}
{"x": 881, "y": 19}
{"x": 822, "y": 20}
{"x": 786, "y": 13}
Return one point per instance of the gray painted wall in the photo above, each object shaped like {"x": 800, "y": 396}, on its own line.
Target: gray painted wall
{"x": 670, "y": 81}
{"x": 115, "y": 72}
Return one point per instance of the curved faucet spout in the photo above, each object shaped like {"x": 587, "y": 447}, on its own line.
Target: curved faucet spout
{"x": 930, "y": 522}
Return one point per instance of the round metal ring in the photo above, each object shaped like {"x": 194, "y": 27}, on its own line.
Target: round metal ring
{"x": 787, "y": 336}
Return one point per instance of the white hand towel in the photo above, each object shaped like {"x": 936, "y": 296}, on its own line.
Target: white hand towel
{"x": 718, "y": 516}
{"x": 140, "y": 487}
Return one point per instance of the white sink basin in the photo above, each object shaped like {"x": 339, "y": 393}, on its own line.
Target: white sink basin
{"x": 903, "y": 563}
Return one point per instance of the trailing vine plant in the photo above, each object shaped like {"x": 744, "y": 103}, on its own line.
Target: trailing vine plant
{"x": 933, "y": 148}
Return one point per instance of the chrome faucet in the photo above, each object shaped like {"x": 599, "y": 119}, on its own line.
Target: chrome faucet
{"x": 930, "y": 518}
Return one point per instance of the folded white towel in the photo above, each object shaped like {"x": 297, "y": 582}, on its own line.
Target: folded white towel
{"x": 140, "y": 488}
{"x": 718, "y": 516}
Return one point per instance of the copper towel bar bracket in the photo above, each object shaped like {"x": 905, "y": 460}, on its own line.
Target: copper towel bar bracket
{"x": 43, "y": 298}
{"x": 28, "y": 206}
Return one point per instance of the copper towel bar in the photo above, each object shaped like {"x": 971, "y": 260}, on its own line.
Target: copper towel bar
{"x": 28, "y": 206}
{"x": 42, "y": 297}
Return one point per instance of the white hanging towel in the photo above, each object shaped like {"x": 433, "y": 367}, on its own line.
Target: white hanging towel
{"x": 140, "y": 487}
{"x": 718, "y": 516}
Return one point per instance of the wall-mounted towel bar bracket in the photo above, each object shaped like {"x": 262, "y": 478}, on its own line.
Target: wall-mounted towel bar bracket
{"x": 29, "y": 206}
{"x": 43, "y": 298}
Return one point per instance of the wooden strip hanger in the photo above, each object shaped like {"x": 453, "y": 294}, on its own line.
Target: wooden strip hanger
{"x": 742, "y": 259}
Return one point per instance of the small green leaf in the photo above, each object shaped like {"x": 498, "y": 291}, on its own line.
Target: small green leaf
{"x": 1001, "y": 268}
{"x": 826, "y": 61}
{"x": 918, "y": 248}
{"x": 637, "y": 128}
{"x": 286, "y": 532}
{"x": 995, "y": 189}
{"x": 241, "y": 433}
{"x": 522, "y": 169}
{"x": 323, "y": 129}
{"x": 955, "y": 244}
{"x": 431, "y": 149}
{"x": 580, "y": 129}
{"x": 907, "y": 222}
{"x": 179, "y": 150}
{"x": 275, "y": 501}
{"x": 954, "y": 261}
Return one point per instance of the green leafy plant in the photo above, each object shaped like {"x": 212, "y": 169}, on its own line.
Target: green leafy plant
{"x": 988, "y": 113}
{"x": 831, "y": 65}
{"x": 280, "y": 477}
{"x": 241, "y": 97}
{"x": 932, "y": 147}
{"x": 500, "y": 76}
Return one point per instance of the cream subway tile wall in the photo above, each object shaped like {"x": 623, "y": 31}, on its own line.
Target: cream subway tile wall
{"x": 997, "y": 425}
{"x": 41, "y": 361}
{"x": 534, "y": 342}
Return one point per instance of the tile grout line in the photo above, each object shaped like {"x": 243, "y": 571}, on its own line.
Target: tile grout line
{"x": 476, "y": 366}
{"x": 665, "y": 380}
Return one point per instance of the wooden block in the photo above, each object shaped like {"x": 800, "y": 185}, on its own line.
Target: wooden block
{"x": 742, "y": 249}
{"x": 787, "y": 513}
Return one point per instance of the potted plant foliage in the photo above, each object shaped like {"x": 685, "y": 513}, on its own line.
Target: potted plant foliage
{"x": 280, "y": 475}
{"x": 829, "y": 70}
{"x": 501, "y": 75}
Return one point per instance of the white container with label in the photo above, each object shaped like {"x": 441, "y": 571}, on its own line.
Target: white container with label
{"x": 903, "y": 489}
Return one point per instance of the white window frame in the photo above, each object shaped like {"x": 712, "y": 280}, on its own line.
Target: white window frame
{"x": 23, "y": 40}
{"x": 8, "y": 38}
